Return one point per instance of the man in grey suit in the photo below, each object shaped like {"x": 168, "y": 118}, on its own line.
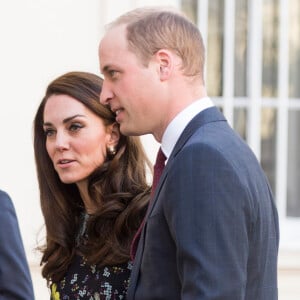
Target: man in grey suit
{"x": 211, "y": 230}
{"x": 15, "y": 279}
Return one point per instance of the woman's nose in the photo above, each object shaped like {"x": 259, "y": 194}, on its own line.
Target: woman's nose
{"x": 61, "y": 142}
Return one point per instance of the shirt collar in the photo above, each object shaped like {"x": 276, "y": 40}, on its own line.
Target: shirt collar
{"x": 177, "y": 125}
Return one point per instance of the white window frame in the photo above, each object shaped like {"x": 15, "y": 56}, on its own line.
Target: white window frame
{"x": 289, "y": 227}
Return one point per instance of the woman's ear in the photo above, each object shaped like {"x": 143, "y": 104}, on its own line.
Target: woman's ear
{"x": 114, "y": 132}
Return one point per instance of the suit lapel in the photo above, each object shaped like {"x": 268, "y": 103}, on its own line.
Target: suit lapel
{"x": 206, "y": 116}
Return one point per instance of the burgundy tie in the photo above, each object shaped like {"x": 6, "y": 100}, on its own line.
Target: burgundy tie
{"x": 158, "y": 169}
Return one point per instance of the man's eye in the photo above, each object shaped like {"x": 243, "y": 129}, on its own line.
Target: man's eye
{"x": 112, "y": 73}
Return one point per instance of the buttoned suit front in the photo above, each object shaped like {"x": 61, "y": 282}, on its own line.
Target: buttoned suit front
{"x": 212, "y": 226}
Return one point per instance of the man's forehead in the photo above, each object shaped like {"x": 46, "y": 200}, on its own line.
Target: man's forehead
{"x": 113, "y": 39}
{"x": 118, "y": 30}
{"x": 111, "y": 50}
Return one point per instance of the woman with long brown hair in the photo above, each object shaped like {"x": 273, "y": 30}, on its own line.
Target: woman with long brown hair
{"x": 93, "y": 190}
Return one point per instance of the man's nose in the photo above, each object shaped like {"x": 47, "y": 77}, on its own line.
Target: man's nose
{"x": 106, "y": 93}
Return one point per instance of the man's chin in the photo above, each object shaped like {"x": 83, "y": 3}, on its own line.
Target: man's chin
{"x": 129, "y": 131}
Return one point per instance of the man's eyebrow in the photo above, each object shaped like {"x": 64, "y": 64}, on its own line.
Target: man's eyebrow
{"x": 106, "y": 68}
{"x": 66, "y": 120}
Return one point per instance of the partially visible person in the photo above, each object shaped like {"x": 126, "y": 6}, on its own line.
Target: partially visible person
{"x": 212, "y": 228}
{"x": 15, "y": 278}
{"x": 93, "y": 190}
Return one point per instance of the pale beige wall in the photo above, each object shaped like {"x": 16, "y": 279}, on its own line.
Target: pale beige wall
{"x": 41, "y": 39}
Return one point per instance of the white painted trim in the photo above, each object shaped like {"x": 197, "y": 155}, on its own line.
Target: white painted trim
{"x": 202, "y": 14}
{"x": 228, "y": 59}
{"x": 254, "y": 75}
{"x": 282, "y": 115}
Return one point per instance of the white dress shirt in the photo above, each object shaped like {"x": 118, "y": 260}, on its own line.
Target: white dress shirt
{"x": 178, "y": 124}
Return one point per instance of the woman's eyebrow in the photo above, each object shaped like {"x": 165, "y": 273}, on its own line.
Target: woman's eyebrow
{"x": 66, "y": 120}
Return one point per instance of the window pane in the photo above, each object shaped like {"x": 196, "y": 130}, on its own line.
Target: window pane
{"x": 294, "y": 55}
{"x": 240, "y": 121}
{"x": 293, "y": 177}
{"x": 240, "y": 63}
{"x": 215, "y": 47}
{"x": 189, "y": 7}
{"x": 268, "y": 144}
{"x": 270, "y": 48}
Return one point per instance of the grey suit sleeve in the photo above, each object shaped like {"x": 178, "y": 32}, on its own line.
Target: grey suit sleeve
{"x": 15, "y": 279}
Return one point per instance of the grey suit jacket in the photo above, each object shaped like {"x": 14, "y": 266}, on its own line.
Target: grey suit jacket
{"x": 212, "y": 228}
{"x": 15, "y": 279}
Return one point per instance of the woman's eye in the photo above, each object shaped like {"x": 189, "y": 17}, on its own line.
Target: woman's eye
{"x": 75, "y": 127}
{"x": 49, "y": 132}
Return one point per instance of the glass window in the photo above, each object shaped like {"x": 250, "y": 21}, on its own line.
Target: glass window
{"x": 270, "y": 48}
{"x": 214, "y": 56}
{"x": 240, "y": 121}
{"x": 267, "y": 131}
{"x": 189, "y": 7}
{"x": 214, "y": 44}
{"x": 268, "y": 144}
{"x": 240, "y": 63}
{"x": 294, "y": 55}
{"x": 293, "y": 186}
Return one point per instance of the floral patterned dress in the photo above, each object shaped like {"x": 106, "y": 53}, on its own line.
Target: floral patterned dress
{"x": 91, "y": 283}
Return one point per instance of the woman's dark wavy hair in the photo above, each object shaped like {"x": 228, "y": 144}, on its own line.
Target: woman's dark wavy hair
{"x": 119, "y": 188}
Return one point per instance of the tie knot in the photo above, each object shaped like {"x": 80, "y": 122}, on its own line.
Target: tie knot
{"x": 160, "y": 159}
{"x": 158, "y": 168}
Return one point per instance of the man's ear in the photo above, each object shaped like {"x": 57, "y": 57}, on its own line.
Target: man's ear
{"x": 166, "y": 63}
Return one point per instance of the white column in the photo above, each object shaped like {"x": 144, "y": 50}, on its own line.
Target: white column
{"x": 254, "y": 75}
{"x": 282, "y": 116}
{"x": 228, "y": 60}
{"x": 202, "y": 14}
